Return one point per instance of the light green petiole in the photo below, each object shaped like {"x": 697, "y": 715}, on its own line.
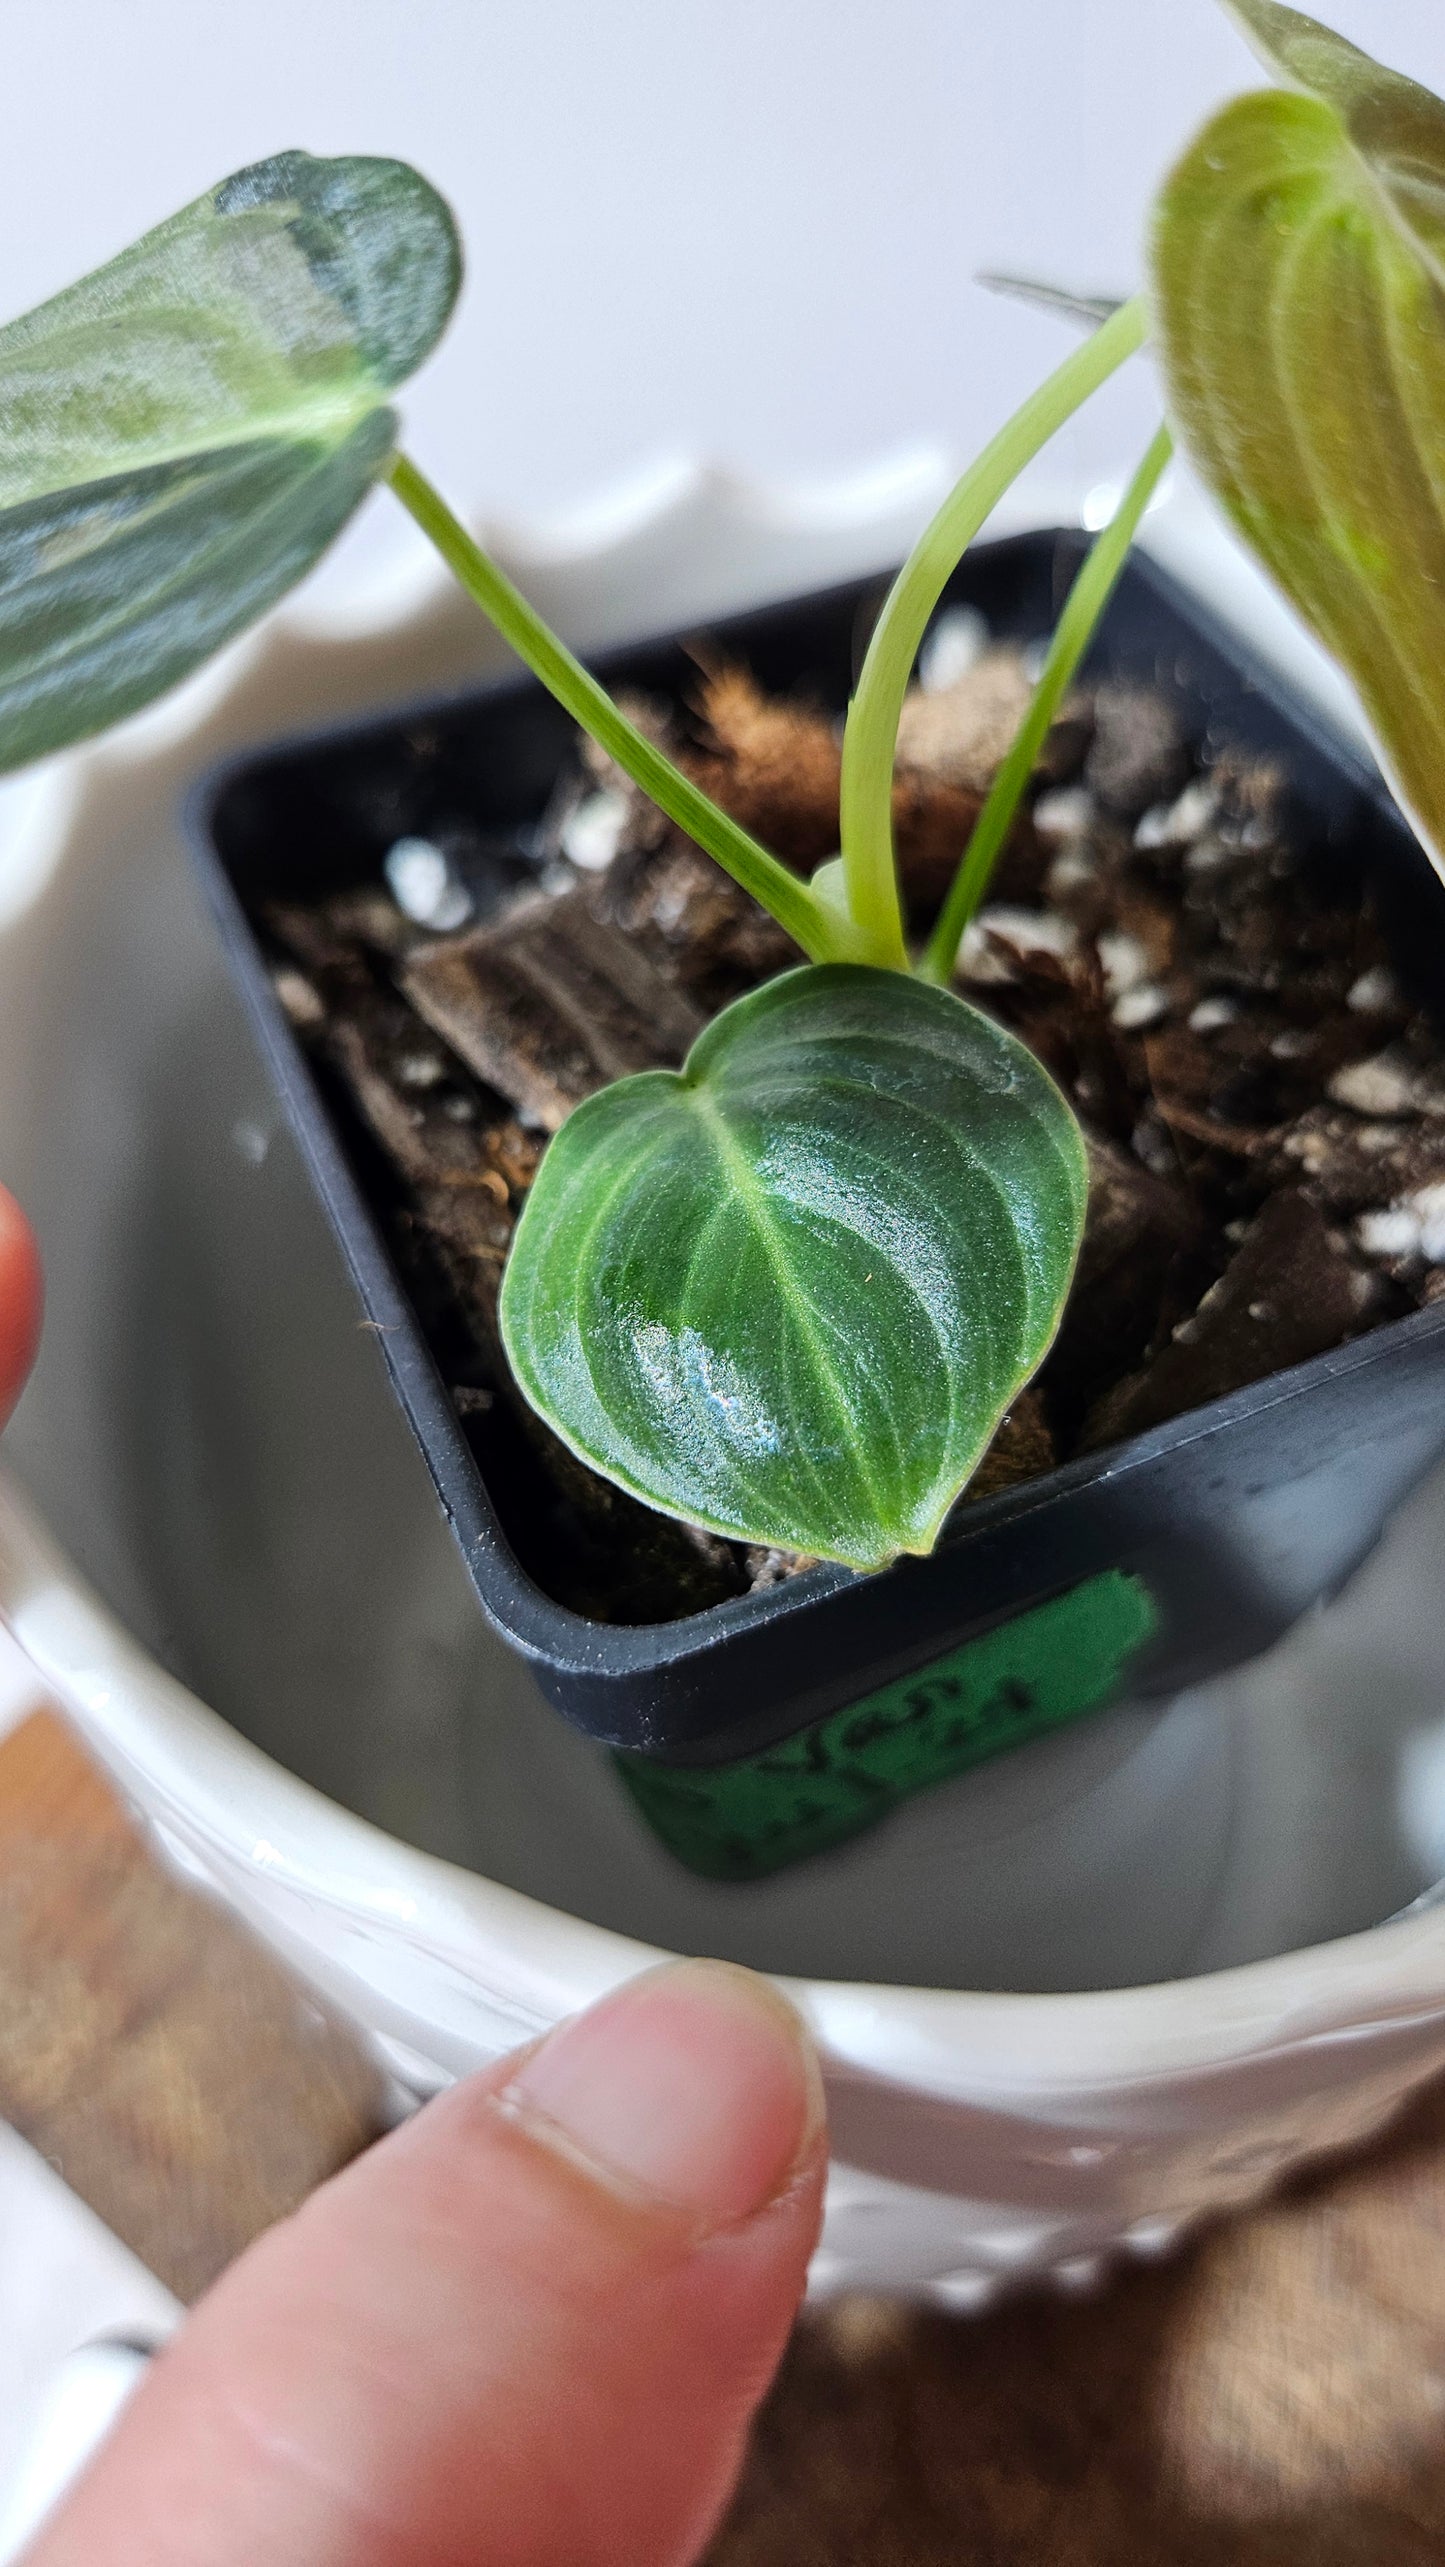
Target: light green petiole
{"x": 826, "y": 932}
{"x": 1073, "y": 633}
{"x": 866, "y": 809}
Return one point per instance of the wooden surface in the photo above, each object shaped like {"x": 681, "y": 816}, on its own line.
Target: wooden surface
{"x": 1274, "y": 2399}
{"x": 161, "y": 2060}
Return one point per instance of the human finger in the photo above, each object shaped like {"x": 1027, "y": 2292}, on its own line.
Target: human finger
{"x": 529, "y": 2329}
{"x": 20, "y": 1300}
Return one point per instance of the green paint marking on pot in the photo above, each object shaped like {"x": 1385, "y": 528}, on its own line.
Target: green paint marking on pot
{"x": 737, "y": 1822}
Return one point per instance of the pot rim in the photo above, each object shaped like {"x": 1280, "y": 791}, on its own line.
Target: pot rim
{"x": 237, "y": 1810}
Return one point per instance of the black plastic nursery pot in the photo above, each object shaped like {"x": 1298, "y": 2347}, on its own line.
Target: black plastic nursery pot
{"x": 771, "y": 1725}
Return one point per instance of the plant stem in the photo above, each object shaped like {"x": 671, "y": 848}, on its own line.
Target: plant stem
{"x": 823, "y": 931}
{"x": 1085, "y": 604}
{"x": 871, "y": 735}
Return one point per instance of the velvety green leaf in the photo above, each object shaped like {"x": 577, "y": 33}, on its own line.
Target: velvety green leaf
{"x": 1396, "y": 127}
{"x": 185, "y": 430}
{"x": 1302, "y": 332}
{"x": 789, "y": 1291}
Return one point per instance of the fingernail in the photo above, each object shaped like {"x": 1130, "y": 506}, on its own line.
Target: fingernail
{"x": 696, "y": 2083}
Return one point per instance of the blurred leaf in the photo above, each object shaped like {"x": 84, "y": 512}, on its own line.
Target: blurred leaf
{"x": 1397, "y": 128}
{"x": 183, "y": 432}
{"x": 1297, "y": 256}
{"x": 789, "y": 1292}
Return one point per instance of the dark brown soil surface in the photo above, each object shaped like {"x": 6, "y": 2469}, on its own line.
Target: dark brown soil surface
{"x": 1264, "y": 1106}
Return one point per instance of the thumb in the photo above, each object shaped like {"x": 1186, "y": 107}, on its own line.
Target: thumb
{"x": 527, "y": 2330}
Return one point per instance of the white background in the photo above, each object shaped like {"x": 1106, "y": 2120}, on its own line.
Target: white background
{"x": 737, "y": 229}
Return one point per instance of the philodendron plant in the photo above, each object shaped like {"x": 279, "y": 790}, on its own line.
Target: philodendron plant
{"x": 788, "y": 1291}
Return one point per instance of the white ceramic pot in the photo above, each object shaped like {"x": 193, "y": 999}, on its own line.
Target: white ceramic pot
{"x": 1069, "y": 2003}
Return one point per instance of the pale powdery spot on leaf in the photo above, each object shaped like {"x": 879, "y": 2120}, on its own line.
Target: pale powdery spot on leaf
{"x": 682, "y": 1369}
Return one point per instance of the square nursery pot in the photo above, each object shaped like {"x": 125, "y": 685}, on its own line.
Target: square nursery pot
{"x": 775, "y": 1723}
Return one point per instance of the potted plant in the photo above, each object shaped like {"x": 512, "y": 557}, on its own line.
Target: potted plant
{"x": 1108, "y": 1984}
{"x": 786, "y": 1280}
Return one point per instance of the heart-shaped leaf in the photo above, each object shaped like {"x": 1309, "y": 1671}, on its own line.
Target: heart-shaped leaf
{"x": 1299, "y": 302}
{"x": 183, "y": 432}
{"x": 789, "y": 1291}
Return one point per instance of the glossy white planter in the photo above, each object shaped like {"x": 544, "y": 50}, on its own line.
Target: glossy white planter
{"x": 1080, "y": 2069}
